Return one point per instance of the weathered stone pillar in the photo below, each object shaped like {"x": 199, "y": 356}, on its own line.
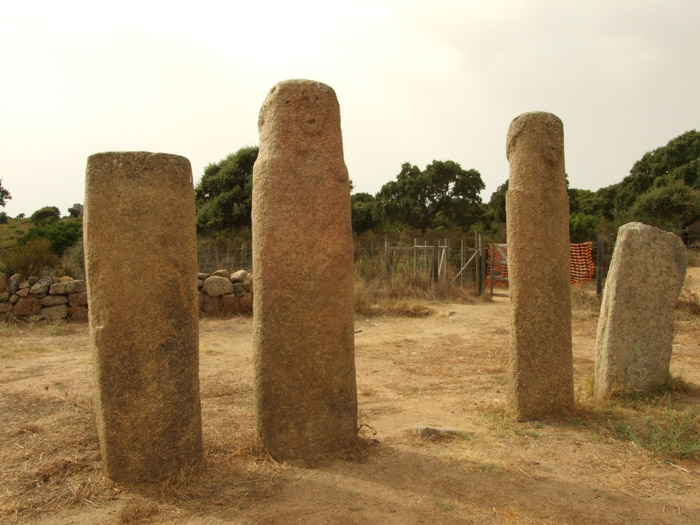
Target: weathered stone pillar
{"x": 141, "y": 267}
{"x": 537, "y": 213}
{"x": 635, "y": 327}
{"x": 305, "y": 393}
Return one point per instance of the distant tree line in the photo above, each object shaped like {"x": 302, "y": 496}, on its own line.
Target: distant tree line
{"x": 662, "y": 189}
{"x": 442, "y": 196}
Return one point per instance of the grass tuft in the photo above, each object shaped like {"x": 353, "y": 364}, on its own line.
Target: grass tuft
{"x": 662, "y": 421}
{"x": 671, "y": 433}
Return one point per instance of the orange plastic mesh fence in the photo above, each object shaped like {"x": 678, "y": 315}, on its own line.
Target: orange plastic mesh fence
{"x": 500, "y": 267}
{"x": 582, "y": 268}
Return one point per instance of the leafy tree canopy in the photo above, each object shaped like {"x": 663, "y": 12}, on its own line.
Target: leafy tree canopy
{"x": 223, "y": 196}
{"x": 364, "y": 212}
{"x": 4, "y": 195}
{"x": 678, "y": 161}
{"x": 45, "y": 215}
{"x": 672, "y": 207}
{"x": 444, "y": 194}
{"x": 582, "y": 227}
{"x": 496, "y": 208}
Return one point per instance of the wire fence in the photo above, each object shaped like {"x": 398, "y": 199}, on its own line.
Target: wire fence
{"x": 465, "y": 261}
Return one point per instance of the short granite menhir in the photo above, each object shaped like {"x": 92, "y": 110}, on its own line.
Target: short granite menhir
{"x": 635, "y": 327}
{"x": 305, "y": 391}
{"x": 537, "y": 213}
{"x": 141, "y": 267}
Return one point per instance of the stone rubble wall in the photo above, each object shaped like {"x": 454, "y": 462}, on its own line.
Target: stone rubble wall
{"x": 221, "y": 294}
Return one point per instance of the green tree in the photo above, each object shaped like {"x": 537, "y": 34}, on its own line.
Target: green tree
{"x": 364, "y": 212}
{"x": 679, "y": 160}
{"x": 672, "y": 207}
{"x": 223, "y": 196}
{"x": 582, "y": 227}
{"x": 4, "y": 195}
{"x": 45, "y": 215}
{"x": 496, "y": 208}
{"x": 444, "y": 194}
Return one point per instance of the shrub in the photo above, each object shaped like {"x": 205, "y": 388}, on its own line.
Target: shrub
{"x": 31, "y": 258}
{"x": 73, "y": 261}
{"x": 46, "y": 215}
{"x": 61, "y": 234}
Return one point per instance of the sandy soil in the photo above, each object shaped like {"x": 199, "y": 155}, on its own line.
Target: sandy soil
{"x": 447, "y": 371}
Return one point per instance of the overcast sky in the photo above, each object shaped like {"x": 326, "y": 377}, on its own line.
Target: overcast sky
{"x": 416, "y": 81}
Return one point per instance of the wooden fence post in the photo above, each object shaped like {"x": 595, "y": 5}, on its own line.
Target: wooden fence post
{"x": 415, "y": 261}
{"x": 461, "y": 262}
{"x": 436, "y": 261}
{"x": 493, "y": 259}
{"x": 387, "y": 260}
{"x": 600, "y": 259}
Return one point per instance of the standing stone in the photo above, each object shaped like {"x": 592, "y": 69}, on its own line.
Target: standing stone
{"x": 537, "y": 212}
{"x": 635, "y": 327}
{"x": 305, "y": 392}
{"x": 140, "y": 220}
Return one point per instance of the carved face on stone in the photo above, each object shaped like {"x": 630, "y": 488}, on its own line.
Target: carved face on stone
{"x": 541, "y": 132}
{"x": 295, "y": 107}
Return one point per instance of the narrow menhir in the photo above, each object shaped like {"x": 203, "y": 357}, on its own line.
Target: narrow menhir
{"x": 140, "y": 221}
{"x": 305, "y": 392}
{"x": 635, "y": 327}
{"x": 537, "y": 217}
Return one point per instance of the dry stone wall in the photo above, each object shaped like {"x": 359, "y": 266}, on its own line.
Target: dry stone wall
{"x": 221, "y": 294}
{"x": 51, "y": 298}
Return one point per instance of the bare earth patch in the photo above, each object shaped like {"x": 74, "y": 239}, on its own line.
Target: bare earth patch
{"x": 438, "y": 444}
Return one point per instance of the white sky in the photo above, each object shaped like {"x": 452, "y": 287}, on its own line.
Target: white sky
{"x": 416, "y": 81}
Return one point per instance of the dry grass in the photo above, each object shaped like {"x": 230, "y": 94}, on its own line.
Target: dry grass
{"x": 406, "y": 293}
{"x": 583, "y": 298}
{"x": 50, "y": 460}
{"x": 50, "y": 455}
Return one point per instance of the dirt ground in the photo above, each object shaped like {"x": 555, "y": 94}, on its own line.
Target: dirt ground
{"x": 447, "y": 371}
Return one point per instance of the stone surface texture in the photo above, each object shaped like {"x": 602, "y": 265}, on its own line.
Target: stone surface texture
{"x": 635, "y": 327}
{"x": 305, "y": 391}
{"x": 140, "y": 220}
{"x": 216, "y": 285}
{"x": 537, "y": 212}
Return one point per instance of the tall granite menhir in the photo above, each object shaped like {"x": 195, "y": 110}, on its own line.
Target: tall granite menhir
{"x": 141, "y": 268}
{"x": 537, "y": 214}
{"x": 635, "y": 327}
{"x": 305, "y": 392}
